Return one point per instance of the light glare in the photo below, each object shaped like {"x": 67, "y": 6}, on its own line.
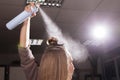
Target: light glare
{"x": 100, "y": 32}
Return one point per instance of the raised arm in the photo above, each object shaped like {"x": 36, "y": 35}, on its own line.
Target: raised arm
{"x": 24, "y": 34}
{"x": 25, "y": 30}
{"x": 26, "y": 57}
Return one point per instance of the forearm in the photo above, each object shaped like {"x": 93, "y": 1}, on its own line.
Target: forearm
{"x": 25, "y": 34}
{"x": 25, "y": 30}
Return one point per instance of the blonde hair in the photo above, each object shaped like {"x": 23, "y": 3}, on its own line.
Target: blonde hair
{"x": 53, "y": 65}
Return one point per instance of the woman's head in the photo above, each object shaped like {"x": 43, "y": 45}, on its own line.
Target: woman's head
{"x": 54, "y": 64}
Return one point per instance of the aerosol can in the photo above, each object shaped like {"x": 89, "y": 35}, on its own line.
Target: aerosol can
{"x": 21, "y": 17}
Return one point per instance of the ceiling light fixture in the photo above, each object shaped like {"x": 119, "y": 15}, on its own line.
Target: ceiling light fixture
{"x": 36, "y": 41}
{"x": 100, "y": 32}
{"x": 48, "y": 3}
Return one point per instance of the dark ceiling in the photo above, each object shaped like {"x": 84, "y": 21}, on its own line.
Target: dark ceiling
{"x": 75, "y": 17}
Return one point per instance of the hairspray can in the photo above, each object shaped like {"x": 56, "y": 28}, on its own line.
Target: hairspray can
{"x": 20, "y": 18}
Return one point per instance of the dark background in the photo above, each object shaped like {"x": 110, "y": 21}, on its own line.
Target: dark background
{"x": 74, "y": 17}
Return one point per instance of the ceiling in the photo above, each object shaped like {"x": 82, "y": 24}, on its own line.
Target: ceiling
{"x": 75, "y": 17}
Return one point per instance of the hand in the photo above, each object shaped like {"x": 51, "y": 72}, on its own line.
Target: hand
{"x": 28, "y": 8}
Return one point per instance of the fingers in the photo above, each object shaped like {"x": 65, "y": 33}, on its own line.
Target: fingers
{"x": 28, "y": 8}
{"x": 34, "y": 14}
{"x": 32, "y": 4}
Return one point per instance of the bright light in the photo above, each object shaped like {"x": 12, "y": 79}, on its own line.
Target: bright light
{"x": 53, "y": 4}
{"x": 100, "y": 32}
{"x": 36, "y": 41}
{"x": 41, "y": 3}
{"x": 49, "y": 4}
{"x": 57, "y": 5}
{"x": 45, "y": 3}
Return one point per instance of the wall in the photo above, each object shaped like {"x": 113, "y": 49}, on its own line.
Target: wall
{"x": 1, "y": 73}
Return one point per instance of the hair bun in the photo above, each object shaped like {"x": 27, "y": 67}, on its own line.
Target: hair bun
{"x": 52, "y": 41}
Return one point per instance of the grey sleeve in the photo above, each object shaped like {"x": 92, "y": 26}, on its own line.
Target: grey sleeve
{"x": 28, "y": 63}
